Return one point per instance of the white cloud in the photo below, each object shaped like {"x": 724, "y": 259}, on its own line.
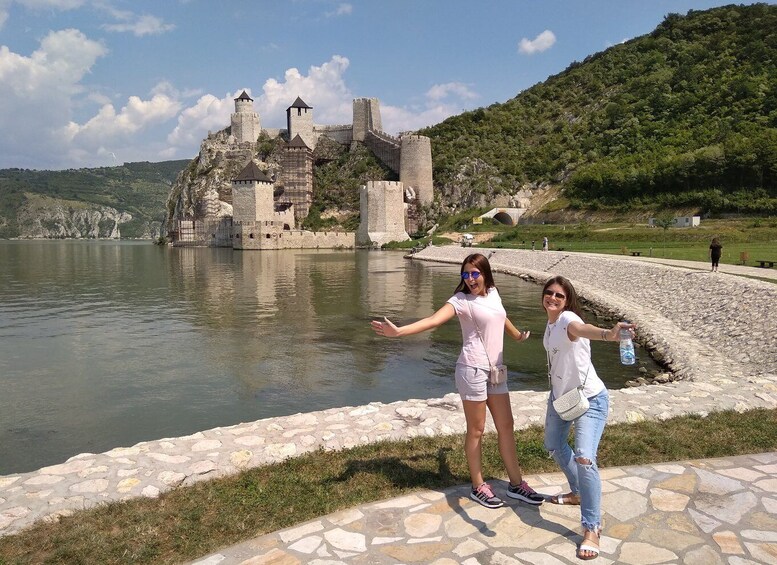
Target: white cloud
{"x": 323, "y": 88}
{"x": 208, "y": 114}
{"x": 37, "y": 93}
{"x": 108, "y": 126}
{"x": 342, "y": 10}
{"x": 141, "y": 25}
{"x": 5, "y": 6}
{"x": 442, "y": 101}
{"x": 440, "y": 91}
{"x": 542, "y": 42}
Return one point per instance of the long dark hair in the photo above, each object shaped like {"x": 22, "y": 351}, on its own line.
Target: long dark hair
{"x": 571, "y": 303}
{"x": 480, "y": 262}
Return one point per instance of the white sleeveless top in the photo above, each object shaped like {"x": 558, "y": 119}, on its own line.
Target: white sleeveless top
{"x": 570, "y": 360}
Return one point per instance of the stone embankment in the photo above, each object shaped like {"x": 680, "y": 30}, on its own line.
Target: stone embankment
{"x": 714, "y": 332}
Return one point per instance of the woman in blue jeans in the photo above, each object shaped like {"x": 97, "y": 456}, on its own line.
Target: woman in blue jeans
{"x": 567, "y": 343}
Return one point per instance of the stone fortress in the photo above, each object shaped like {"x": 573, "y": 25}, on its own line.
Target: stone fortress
{"x": 261, "y": 209}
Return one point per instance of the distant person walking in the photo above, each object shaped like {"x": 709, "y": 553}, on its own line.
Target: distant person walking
{"x": 532, "y": 245}
{"x": 483, "y": 321}
{"x": 568, "y": 346}
{"x": 544, "y": 243}
{"x": 715, "y": 253}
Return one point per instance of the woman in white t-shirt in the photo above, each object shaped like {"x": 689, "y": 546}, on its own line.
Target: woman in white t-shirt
{"x": 567, "y": 343}
{"x": 483, "y": 321}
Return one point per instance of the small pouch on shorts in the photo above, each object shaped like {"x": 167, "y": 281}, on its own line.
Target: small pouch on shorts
{"x": 497, "y": 375}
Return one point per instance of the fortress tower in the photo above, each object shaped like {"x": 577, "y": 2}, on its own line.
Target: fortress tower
{"x": 415, "y": 167}
{"x": 297, "y": 176}
{"x": 252, "y": 196}
{"x": 245, "y": 122}
{"x": 366, "y": 116}
{"x": 299, "y": 121}
{"x": 382, "y": 213}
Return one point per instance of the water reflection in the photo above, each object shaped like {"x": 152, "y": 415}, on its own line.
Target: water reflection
{"x": 105, "y": 344}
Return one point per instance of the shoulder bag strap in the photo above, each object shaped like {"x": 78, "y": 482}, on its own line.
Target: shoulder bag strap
{"x": 472, "y": 315}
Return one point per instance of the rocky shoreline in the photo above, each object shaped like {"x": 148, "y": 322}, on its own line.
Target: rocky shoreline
{"x": 712, "y": 331}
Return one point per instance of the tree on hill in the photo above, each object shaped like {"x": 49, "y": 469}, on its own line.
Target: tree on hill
{"x": 683, "y": 116}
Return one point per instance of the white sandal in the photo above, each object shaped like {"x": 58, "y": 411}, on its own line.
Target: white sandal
{"x": 589, "y": 548}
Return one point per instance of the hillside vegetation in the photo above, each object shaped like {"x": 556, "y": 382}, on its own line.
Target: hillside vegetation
{"x": 139, "y": 189}
{"x": 684, "y": 116}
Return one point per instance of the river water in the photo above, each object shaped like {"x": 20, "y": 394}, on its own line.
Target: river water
{"x": 105, "y": 344}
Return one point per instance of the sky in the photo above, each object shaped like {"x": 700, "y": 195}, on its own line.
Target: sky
{"x": 92, "y": 83}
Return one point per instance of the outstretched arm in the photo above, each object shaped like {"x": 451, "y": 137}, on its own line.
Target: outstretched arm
{"x": 514, "y": 332}
{"x": 387, "y": 329}
{"x": 589, "y": 331}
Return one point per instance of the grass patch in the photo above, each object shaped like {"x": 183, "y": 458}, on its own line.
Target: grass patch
{"x": 190, "y": 522}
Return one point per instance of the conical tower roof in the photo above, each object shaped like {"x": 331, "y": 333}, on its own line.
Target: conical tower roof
{"x": 298, "y": 142}
{"x": 244, "y": 96}
{"x": 252, "y": 173}
{"x": 299, "y": 103}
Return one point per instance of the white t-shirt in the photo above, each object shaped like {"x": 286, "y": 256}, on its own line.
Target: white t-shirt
{"x": 570, "y": 360}
{"x": 490, "y": 316}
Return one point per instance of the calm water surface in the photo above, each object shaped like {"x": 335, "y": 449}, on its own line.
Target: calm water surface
{"x": 105, "y": 344}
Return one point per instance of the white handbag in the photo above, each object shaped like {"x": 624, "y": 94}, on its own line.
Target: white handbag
{"x": 573, "y": 403}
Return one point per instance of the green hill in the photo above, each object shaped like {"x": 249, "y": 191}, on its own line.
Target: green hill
{"x": 139, "y": 189}
{"x": 683, "y": 116}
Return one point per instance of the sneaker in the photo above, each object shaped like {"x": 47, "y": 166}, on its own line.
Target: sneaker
{"x": 525, "y": 493}
{"x": 485, "y": 496}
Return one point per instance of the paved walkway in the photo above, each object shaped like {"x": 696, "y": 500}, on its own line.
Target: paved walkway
{"x": 741, "y": 270}
{"x": 706, "y": 512}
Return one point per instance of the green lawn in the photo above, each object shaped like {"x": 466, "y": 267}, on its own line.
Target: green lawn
{"x": 686, "y": 251}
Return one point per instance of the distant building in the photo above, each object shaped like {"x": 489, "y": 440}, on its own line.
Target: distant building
{"x": 679, "y": 222}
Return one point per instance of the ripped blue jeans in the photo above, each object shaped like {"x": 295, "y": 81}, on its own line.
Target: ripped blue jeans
{"x": 583, "y": 477}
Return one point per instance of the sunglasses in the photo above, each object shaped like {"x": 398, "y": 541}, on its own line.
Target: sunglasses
{"x": 554, "y": 294}
{"x": 474, "y": 274}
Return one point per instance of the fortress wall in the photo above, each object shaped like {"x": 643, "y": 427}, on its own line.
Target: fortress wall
{"x": 385, "y": 148}
{"x": 263, "y": 236}
{"x": 340, "y": 134}
{"x": 416, "y": 166}
{"x": 272, "y": 133}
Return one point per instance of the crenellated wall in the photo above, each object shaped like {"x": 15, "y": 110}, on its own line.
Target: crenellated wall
{"x": 271, "y": 235}
{"x": 385, "y": 147}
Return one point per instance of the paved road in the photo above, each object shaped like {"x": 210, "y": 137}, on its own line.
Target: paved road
{"x": 706, "y": 512}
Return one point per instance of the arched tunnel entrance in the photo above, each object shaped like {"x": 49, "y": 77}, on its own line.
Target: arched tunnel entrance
{"x": 504, "y": 218}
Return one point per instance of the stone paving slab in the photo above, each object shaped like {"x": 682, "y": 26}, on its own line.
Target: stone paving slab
{"x": 702, "y": 512}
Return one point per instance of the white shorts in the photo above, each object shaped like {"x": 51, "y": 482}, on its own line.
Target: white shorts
{"x": 472, "y": 383}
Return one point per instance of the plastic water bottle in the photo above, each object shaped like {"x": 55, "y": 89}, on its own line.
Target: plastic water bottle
{"x": 627, "y": 348}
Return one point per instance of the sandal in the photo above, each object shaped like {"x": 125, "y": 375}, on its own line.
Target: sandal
{"x": 589, "y": 547}
{"x": 569, "y": 498}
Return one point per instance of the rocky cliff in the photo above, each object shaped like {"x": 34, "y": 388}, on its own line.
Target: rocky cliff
{"x": 207, "y": 180}
{"x": 45, "y": 217}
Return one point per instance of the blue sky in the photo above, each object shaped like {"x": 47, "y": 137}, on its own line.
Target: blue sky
{"x": 87, "y": 83}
